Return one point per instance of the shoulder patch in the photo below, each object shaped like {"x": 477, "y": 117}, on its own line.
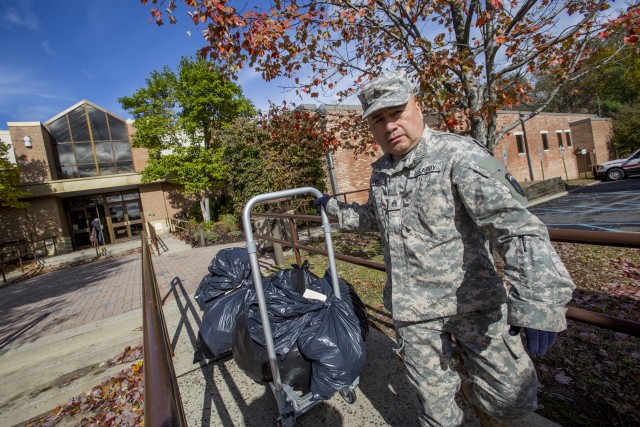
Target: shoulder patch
{"x": 515, "y": 184}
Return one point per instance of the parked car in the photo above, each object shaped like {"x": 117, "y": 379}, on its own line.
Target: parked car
{"x": 614, "y": 170}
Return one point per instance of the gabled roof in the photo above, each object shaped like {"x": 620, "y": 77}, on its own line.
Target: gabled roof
{"x": 76, "y": 105}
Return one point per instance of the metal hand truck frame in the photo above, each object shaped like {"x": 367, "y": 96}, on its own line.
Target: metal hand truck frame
{"x": 290, "y": 404}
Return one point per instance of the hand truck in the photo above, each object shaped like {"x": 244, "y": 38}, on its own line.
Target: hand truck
{"x": 290, "y": 404}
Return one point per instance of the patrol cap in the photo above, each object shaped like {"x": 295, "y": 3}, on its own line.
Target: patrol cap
{"x": 388, "y": 90}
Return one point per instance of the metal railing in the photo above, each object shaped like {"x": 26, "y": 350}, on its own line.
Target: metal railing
{"x": 27, "y": 250}
{"x": 629, "y": 240}
{"x": 162, "y": 401}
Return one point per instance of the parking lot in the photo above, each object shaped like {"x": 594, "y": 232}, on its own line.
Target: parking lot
{"x": 606, "y": 206}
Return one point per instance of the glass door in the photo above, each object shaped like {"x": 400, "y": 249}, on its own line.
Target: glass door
{"x": 79, "y": 227}
{"x": 125, "y": 214}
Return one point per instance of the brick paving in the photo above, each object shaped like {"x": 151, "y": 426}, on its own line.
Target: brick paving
{"x": 75, "y": 296}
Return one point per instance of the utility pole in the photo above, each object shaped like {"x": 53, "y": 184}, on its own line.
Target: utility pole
{"x": 526, "y": 145}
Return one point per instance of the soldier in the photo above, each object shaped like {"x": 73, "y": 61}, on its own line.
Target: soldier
{"x": 442, "y": 202}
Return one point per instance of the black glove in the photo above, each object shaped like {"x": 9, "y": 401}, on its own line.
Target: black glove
{"x": 538, "y": 342}
{"x": 321, "y": 202}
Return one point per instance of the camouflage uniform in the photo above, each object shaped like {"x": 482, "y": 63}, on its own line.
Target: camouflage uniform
{"x": 440, "y": 210}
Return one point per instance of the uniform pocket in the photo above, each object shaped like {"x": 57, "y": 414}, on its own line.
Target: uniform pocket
{"x": 514, "y": 344}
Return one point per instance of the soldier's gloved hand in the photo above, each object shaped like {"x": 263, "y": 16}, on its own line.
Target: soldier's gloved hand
{"x": 321, "y": 202}
{"x": 538, "y": 342}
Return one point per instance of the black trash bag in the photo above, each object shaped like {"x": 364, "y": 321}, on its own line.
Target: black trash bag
{"x": 215, "y": 338}
{"x": 253, "y": 359}
{"x": 334, "y": 339}
{"x": 288, "y": 310}
{"x": 229, "y": 269}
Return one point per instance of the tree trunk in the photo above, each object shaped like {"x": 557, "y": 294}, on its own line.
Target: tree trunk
{"x": 204, "y": 207}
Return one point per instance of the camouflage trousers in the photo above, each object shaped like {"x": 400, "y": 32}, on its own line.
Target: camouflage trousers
{"x": 504, "y": 376}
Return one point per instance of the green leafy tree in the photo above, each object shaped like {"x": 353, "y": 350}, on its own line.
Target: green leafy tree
{"x": 284, "y": 148}
{"x": 175, "y": 115}
{"x": 10, "y": 193}
{"x": 626, "y": 129}
{"x": 612, "y": 91}
{"x": 469, "y": 58}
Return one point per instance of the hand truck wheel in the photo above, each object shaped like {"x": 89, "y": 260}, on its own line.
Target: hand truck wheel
{"x": 349, "y": 396}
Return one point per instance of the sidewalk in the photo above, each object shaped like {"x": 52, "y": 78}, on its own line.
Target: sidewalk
{"x": 58, "y": 327}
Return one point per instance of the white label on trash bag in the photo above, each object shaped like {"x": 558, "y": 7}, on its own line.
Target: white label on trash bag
{"x": 309, "y": 294}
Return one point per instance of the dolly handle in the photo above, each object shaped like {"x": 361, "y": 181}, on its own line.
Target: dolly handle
{"x": 255, "y": 266}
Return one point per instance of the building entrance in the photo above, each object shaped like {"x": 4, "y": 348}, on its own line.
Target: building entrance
{"x": 118, "y": 216}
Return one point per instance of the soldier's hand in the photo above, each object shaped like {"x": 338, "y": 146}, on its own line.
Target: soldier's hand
{"x": 321, "y": 202}
{"x": 538, "y": 342}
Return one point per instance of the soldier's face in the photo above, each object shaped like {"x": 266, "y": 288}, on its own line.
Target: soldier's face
{"x": 397, "y": 130}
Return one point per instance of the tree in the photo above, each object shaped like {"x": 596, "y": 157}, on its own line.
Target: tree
{"x": 10, "y": 193}
{"x": 613, "y": 91}
{"x": 283, "y": 148}
{"x": 616, "y": 83}
{"x": 626, "y": 130}
{"x": 175, "y": 116}
{"x": 470, "y": 57}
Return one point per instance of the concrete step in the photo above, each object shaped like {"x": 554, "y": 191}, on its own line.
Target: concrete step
{"x": 36, "y": 377}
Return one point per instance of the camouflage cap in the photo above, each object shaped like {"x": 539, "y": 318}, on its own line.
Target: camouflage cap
{"x": 388, "y": 90}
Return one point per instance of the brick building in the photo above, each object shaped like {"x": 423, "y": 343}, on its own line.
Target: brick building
{"x": 559, "y": 145}
{"x": 80, "y": 165}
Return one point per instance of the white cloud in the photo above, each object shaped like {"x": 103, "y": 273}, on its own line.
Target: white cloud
{"x": 26, "y": 97}
{"x": 45, "y": 46}
{"x": 20, "y": 14}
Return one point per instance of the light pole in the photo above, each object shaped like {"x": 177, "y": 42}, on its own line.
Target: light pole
{"x": 322, "y": 112}
{"x": 526, "y": 146}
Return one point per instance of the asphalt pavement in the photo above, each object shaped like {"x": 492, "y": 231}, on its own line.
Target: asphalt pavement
{"x": 605, "y": 206}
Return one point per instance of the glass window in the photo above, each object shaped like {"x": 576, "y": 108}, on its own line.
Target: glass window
{"x": 118, "y": 128}
{"x": 67, "y": 172}
{"x": 136, "y": 229}
{"x": 559, "y": 135}
{"x": 60, "y": 130}
{"x": 520, "y": 142}
{"x": 84, "y": 153}
{"x": 126, "y": 167}
{"x": 130, "y": 195}
{"x": 568, "y": 136}
{"x": 65, "y": 154}
{"x": 114, "y": 197}
{"x": 107, "y": 168}
{"x": 122, "y": 150}
{"x": 116, "y": 212}
{"x": 98, "y": 120}
{"x": 104, "y": 152}
{"x": 545, "y": 141}
{"x": 78, "y": 123}
{"x": 87, "y": 170}
{"x": 133, "y": 210}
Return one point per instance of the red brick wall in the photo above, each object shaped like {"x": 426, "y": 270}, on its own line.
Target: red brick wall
{"x": 176, "y": 203}
{"x": 152, "y": 199}
{"x": 353, "y": 173}
{"x": 140, "y": 155}
{"x": 552, "y": 159}
{"x": 36, "y": 163}
{"x": 43, "y": 218}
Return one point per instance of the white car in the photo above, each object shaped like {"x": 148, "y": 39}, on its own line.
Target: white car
{"x": 614, "y": 170}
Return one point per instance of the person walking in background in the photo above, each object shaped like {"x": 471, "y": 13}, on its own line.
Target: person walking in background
{"x": 96, "y": 227}
{"x": 442, "y": 203}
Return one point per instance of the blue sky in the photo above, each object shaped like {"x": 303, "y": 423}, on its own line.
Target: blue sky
{"x": 54, "y": 53}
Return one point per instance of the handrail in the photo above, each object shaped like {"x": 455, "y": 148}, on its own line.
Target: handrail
{"x": 631, "y": 240}
{"x": 162, "y": 402}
